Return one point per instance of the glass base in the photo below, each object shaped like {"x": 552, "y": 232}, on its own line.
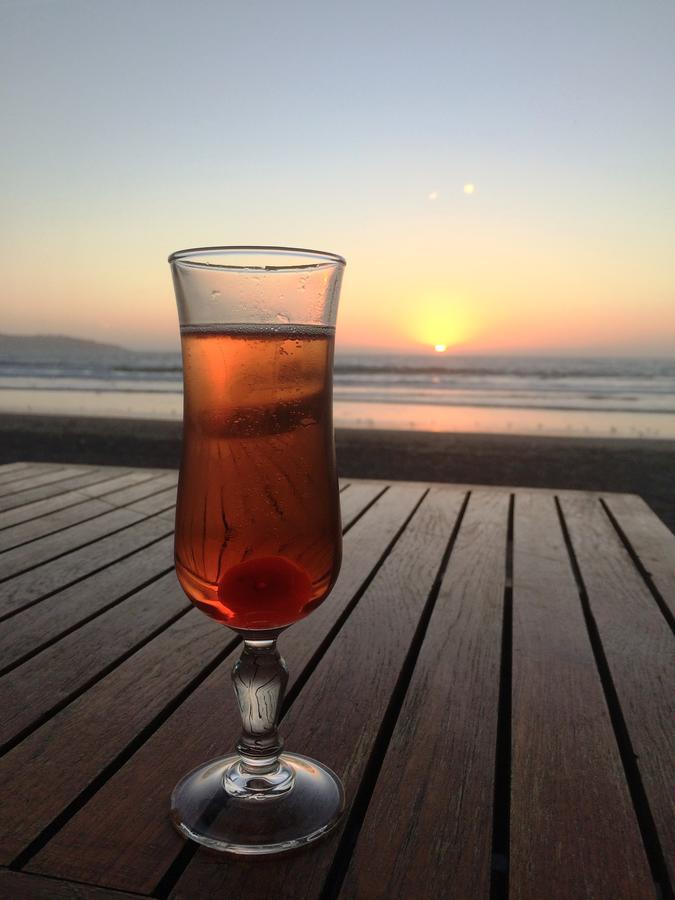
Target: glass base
{"x": 270, "y": 815}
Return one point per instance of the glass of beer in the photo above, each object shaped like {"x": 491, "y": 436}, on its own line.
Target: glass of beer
{"x": 258, "y": 535}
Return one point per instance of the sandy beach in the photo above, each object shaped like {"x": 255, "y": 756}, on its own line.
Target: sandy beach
{"x": 644, "y": 467}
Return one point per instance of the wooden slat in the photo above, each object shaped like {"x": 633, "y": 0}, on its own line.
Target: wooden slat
{"x": 45, "y": 507}
{"x": 42, "y": 623}
{"x": 566, "y": 770}
{"x": 110, "y": 486}
{"x": 638, "y": 647}
{"x": 366, "y": 660}
{"x": 30, "y": 586}
{"x": 652, "y": 541}
{"x": 10, "y": 471}
{"x": 146, "y": 489}
{"x": 44, "y": 491}
{"x": 21, "y": 886}
{"x": 354, "y": 500}
{"x": 54, "y": 764}
{"x": 434, "y": 793}
{"x": 38, "y": 478}
{"x": 165, "y": 500}
{"x": 56, "y": 521}
{"x": 54, "y": 545}
{"x": 43, "y": 682}
{"x": 12, "y": 466}
{"x": 20, "y": 514}
{"x": 96, "y": 845}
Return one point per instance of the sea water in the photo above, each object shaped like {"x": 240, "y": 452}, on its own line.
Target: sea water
{"x": 599, "y": 396}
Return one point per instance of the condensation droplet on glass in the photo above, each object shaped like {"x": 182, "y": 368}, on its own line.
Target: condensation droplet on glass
{"x": 215, "y": 293}
{"x": 307, "y": 421}
{"x": 282, "y": 318}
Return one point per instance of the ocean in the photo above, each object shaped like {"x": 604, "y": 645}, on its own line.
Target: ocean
{"x": 608, "y": 397}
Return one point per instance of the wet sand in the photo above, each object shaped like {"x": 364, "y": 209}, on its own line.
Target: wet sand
{"x": 640, "y": 466}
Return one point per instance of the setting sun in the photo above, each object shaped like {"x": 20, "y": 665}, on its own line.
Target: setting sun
{"x": 442, "y": 318}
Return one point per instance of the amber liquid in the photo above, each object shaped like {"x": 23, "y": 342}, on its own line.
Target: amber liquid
{"x": 258, "y": 537}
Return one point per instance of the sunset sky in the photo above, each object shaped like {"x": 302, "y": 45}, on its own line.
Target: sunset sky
{"x": 500, "y": 176}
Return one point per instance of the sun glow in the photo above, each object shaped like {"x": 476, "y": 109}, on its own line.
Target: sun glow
{"x": 442, "y": 321}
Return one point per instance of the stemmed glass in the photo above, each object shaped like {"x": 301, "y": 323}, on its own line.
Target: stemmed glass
{"x": 258, "y": 537}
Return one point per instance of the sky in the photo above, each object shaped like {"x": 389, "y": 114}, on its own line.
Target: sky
{"x": 499, "y": 176}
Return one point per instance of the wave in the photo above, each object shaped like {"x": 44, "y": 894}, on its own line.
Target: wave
{"x": 544, "y": 368}
{"x": 601, "y": 384}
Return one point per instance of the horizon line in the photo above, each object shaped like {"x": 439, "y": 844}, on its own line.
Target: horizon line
{"x": 419, "y": 350}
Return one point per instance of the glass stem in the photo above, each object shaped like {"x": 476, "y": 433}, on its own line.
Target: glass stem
{"x": 259, "y": 677}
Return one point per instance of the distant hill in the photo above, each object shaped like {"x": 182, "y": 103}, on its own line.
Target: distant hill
{"x": 44, "y": 347}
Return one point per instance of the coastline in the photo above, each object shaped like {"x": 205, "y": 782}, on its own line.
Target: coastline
{"x": 625, "y": 465}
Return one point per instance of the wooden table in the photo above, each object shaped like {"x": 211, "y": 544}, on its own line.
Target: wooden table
{"x": 491, "y": 677}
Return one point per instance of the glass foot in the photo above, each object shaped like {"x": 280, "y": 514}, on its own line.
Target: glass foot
{"x": 213, "y": 806}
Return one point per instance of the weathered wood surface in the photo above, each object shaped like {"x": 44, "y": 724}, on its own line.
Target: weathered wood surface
{"x": 496, "y": 699}
{"x": 638, "y": 648}
{"x": 195, "y": 733}
{"x": 37, "y": 626}
{"x": 564, "y": 756}
{"x": 652, "y": 542}
{"x": 8, "y": 470}
{"x": 91, "y": 480}
{"x": 40, "y": 476}
{"x": 23, "y": 886}
{"x": 36, "y": 509}
{"x": 30, "y": 555}
{"x": 441, "y": 757}
{"x": 35, "y": 584}
{"x": 30, "y": 531}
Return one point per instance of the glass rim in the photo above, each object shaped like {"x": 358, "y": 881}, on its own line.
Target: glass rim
{"x": 319, "y": 258}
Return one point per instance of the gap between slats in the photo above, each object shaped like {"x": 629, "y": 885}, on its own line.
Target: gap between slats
{"x": 60, "y": 820}
{"x": 10, "y": 471}
{"x": 639, "y": 565}
{"x": 142, "y": 518}
{"x": 62, "y": 487}
{"x": 648, "y": 831}
{"x": 141, "y": 586}
{"x": 181, "y": 862}
{"x": 57, "y": 885}
{"x": 78, "y": 495}
{"x": 85, "y": 621}
{"x": 84, "y": 687}
{"x": 73, "y": 695}
{"x": 72, "y": 808}
{"x": 39, "y": 473}
{"x": 499, "y": 883}
{"x": 43, "y": 478}
{"x": 350, "y": 835}
{"x": 110, "y": 507}
{"x": 50, "y": 593}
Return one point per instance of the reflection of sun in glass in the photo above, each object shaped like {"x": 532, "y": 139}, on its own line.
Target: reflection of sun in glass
{"x": 469, "y": 188}
{"x": 440, "y": 348}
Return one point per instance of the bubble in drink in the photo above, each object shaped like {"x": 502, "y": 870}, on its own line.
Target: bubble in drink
{"x": 258, "y": 536}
